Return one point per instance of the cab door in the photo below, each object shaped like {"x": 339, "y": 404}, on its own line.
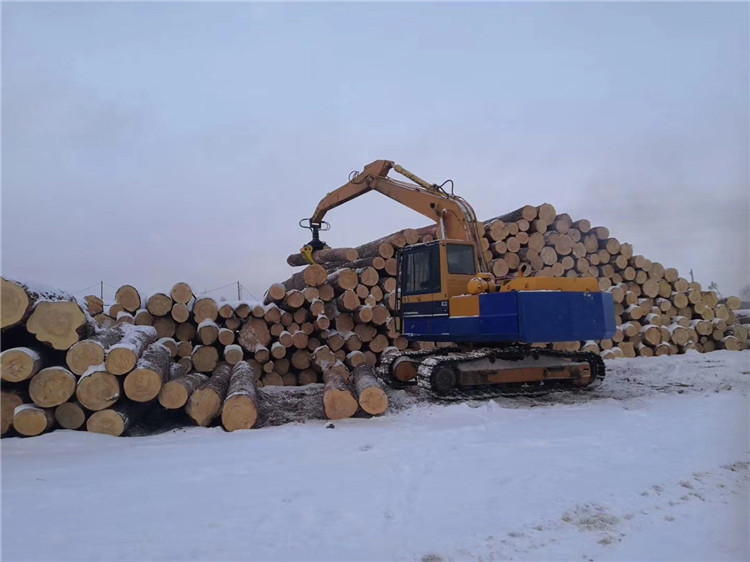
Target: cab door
{"x": 420, "y": 286}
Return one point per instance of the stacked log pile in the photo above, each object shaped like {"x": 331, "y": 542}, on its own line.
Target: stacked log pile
{"x": 87, "y": 365}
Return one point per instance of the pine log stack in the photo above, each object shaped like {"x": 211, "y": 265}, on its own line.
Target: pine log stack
{"x": 64, "y": 360}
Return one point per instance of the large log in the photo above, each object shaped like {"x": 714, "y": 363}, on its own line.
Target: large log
{"x": 97, "y": 389}
{"x": 17, "y": 300}
{"x": 205, "y": 403}
{"x": 19, "y": 364}
{"x": 254, "y": 334}
{"x": 370, "y": 394}
{"x": 58, "y": 324}
{"x": 144, "y": 382}
{"x": 240, "y": 408}
{"x": 325, "y": 257}
{"x": 338, "y": 400}
{"x": 52, "y": 386}
{"x": 122, "y": 356}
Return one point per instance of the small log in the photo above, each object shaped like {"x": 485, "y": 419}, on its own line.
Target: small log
{"x": 205, "y": 309}
{"x": 19, "y": 364}
{"x": 370, "y": 393}
{"x": 70, "y": 415}
{"x": 344, "y": 279}
{"x": 180, "y": 312}
{"x": 313, "y": 275}
{"x": 52, "y": 386}
{"x": 124, "y": 317}
{"x": 9, "y": 401}
{"x": 152, "y": 370}
{"x": 94, "y": 304}
{"x": 30, "y": 420}
{"x": 240, "y": 408}
{"x": 205, "y": 403}
{"x": 165, "y": 326}
{"x": 128, "y": 297}
{"x": 143, "y": 318}
{"x": 204, "y": 358}
{"x": 208, "y": 332}
{"x": 181, "y": 292}
{"x": 159, "y": 304}
{"x": 122, "y": 356}
{"x": 176, "y": 392}
{"x": 185, "y": 331}
{"x": 275, "y": 294}
{"x": 226, "y": 336}
{"x": 97, "y": 389}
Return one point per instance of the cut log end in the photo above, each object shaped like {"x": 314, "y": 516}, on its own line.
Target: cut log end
{"x": 70, "y": 415}
{"x": 108, "y": 422}
{"x": 19, "y": 364}
{"x": 52, "y": 386}
{"x": 238, "y": 412}
{"x": 142, "y": 385}
{"x": 30, "y": 420}
{"x": 58, "y": 324}
{"x": 203, "y": 406}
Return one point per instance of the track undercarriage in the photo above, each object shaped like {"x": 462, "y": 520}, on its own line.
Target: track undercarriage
{"x": 460, "y": 373}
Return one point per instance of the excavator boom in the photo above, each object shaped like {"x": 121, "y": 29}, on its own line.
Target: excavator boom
{"x": 454, "y": 217}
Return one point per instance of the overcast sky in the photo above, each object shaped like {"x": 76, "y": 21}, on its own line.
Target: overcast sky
{"x": 149, "y": 143}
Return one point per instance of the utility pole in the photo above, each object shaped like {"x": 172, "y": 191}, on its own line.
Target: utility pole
{"x": 691, "y": 276}
{"x": 101, "y": 290}
{"x": 239, "y": 293}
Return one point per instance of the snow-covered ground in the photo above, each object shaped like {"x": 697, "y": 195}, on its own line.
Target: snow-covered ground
{"x": 653, "y": 465}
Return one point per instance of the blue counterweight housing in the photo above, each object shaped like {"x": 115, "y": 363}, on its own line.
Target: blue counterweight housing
{"x": 517, "y": 316}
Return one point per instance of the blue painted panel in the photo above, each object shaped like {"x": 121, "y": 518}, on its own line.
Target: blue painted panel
{"x": 525, "y": 316}
{"x": 548, "y": 316}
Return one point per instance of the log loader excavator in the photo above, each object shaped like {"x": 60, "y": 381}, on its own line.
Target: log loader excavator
{"x": 446, "y": 293}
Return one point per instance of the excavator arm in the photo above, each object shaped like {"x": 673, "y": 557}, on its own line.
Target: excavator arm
{"x": 454, "y": 217}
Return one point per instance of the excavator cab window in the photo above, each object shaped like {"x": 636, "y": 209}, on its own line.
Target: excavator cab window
{"x": 461, "y": 259}
{"x": 421, "y": 270}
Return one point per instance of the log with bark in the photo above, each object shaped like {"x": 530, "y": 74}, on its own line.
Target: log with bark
{"x": 240, "y": 408}
{"x": 205, "y": 403}
{"x": 118, "y": 419}
{"x": 122, "y": 356}
{"x": 152, "y": 370}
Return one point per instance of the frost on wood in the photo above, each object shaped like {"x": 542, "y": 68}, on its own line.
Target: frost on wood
{"x": 205, "y": 403}
{"x": 19, "y": 298}
{"x": 240, "y": 408}
{"x": 19, "y": 364}
{"x": 144, "y": 382}
{"x": 122, "y": 356}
